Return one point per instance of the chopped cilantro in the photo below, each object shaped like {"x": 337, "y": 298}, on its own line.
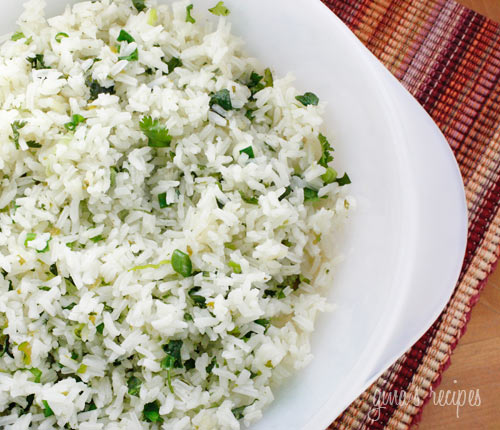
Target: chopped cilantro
{"x": 308, "y": 99}
{"x": 4, "y": 346}
{"x": 97, "y": 238}
{"x": 151, "y": 412}
{"x": 249, "y": 151}
{"x": 263, "y": 322}
{"x": 258, "y": 82}
{"x": 59, "y": 36}
{"x": 326, "y": 157}
{"x": 310, "y": 195}
{"x": 134, "y": 385}
{"x": 172, "y": 359}
{"x": 96, "y": 89}
{"x": 134, "y": 56}
{"x": 53, "y": 269}
{"x": 238, "y": 412}
{"x": 190, "y": 364}
{"x": 75, "y": 120}
{"x": 46, "y": 249}
{"x": 189, "y": 18}
{"x": 219, "y": 9}
{"x": 16, "y": 126}
{"x": 249, "y": 200}
{"x": 173, "y": 63}
{"x": 100, "y": 328}
{"x": 125, "y": 37}
{"x": 288, "y": 191}
{"x": 162, "y": 200}
{"x": 198, "y": 300}
{"x": 139, "y": 5}
{"x": 213, "y": 363}
{"x": 44, "y": 288}
{"x": 37, "y": 62}
{"x": 47, "y": 412}
{"x": 156, "y": 133}
{"x": 222, "y": 98}
{"x": 32, "y": 144}
{"x": 69, "y": 307}
{"x": 37, "y": 373}
{"x": 344, "y": 180}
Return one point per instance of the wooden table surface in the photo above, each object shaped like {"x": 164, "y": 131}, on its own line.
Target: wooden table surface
{"x": 475, "y": 364}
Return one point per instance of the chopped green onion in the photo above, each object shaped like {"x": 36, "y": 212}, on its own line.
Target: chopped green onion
{"x": 329, "y": 176}
{"x": 235, "y": 266}
{"x": 59, "y": 36}
{"x": 17, "y": 35}
{"x": 151, "y": 412}
{"x": 156, "y": 133}
{"x": 37, "y": 373}
{"x": 189, "y": 18}
{"x": 76, "y": 119}
{"x": 139, "y": 5}
{"x": 47, "y": 247}
{"x": 153, "y": 17}
{"x": 25, "y": 348}
{"x": 29, "y": 238}
{"x": 47, "y": 411}
{"x": 249, "y": 151}
{"x": 221, "y": 98}
{"x": 150, "y": 266}
{"x": 134, "y": 386}
{"x": 308, "y": 99}
{"x": 219, "y": 9}
{"x": 181, "y": 263}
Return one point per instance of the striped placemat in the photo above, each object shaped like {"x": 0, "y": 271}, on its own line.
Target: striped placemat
{"x": 448, "y": 57}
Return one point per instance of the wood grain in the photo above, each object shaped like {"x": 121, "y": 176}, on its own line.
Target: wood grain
{"x": 475, "y": 365}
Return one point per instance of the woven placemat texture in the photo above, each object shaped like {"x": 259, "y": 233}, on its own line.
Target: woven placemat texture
{"x": 448, "y": 57}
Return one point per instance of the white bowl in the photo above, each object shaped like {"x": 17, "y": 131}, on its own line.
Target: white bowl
{"x": 405, "y": 242}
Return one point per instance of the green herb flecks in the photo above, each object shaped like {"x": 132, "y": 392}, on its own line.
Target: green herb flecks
{"x": 258, "y": 82}
{"x": 288, "y": 191}
{"x": 249, "y": 151}
{"x": 17, "y": 35}
{"x": 235, "y": 266}
{"x": 97, "y": 238}
{"x": 125, "y": 37}
{"x": 25, "y": 348}
{"x": 213, "y": 363}
{"x": 219, "y": 9}
{"x": 37, "y": 62}
{"x": 33, "y": 144}
{"x": 249, "y": 200}
{"x": 264, "y": 323}
{"x": 134, "y": 56}
{"x": 189, "y": 18}
{"x": 222, "y": 98}
{"x": 172, "y": 359}
{"x": 173, "y": 63}
{"x": 134, "y": 385}
{"x": 198, "y": 300}
{"x": 162, "y": 200}
{"x": 344, "y": 180}
{"x": 16, "y": 126}
{"x": 37, "y": 373}
{"x": 326, "y": 148}
{"x": 60, "y": 36}
{"x": 308, "y": 99}
{"x": 96, "y": 89}
{"x": 238, "y": 412}
{"x": 151, "y": 412}
{"x": 47, "y": 411}
{"x": 156, "y": 133}
{"x": 75, "y": 120}
{"x": 310, "y": 195}
{"x": 139, "y": 5}
{"x": 181, "y": 263}
{"x": 47, "y": 247}
{"x": 99, "y": 328}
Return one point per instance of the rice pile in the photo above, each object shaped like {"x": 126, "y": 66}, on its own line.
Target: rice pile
{"x": 163, "y": 199}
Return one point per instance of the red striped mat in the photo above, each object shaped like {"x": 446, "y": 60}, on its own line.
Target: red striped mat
{"x": 448, "y": 57}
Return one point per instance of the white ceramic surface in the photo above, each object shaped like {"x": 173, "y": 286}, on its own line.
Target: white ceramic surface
{"x": 405, "y": 242}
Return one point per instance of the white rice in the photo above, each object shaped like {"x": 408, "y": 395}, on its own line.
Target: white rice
{"x": 82, "y": 209}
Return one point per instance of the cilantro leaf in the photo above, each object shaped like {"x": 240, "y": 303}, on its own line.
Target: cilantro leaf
{"x": 134, "y": 385}
{"x": 151, "y": 412}
{"x": 310, "y": 195}
{"x": 326, "y": 157}
{"x": 17, "y": 35}
{"x": 189, "y": 18}
{"x": 308, "y": 99}
{"x": 37, "y": 62}
{"x": 198, "y": 300}
{"x": 219, "y": 9}
{"x": 238, "y": 412}
{"x": 134, "y": 56}
{"x": 249, "y": 200}
{"x": 16, "y": 126}
{"x": 249, "y": 151}
{"x": 96, "y": 89}
{"x": 173, "y": 63}
{"x": 125, "y": 37}
{"x": 222, "y": 98}
{"x": 344, "y": 180}
{"x": 156, "y": 133}
{"x": 139, "y": 5}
